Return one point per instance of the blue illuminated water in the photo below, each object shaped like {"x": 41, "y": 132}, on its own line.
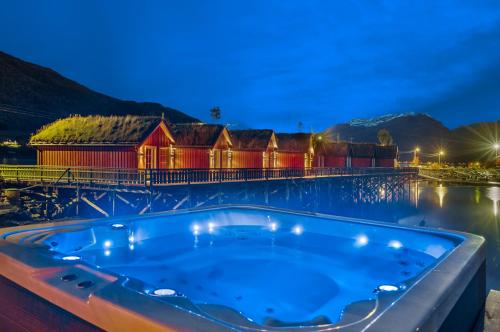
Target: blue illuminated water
{"x": 269, "y": 266}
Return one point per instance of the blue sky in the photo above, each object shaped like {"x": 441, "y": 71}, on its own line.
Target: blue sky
{"x": 272, "y": 63}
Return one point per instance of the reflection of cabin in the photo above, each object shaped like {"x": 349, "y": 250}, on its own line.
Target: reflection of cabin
{"x": 331, "y": 154}
{"x": 202, "y": 146}
{"x": 295, "y": 150}
{"x": 124, "y": 142}
{"x": 361, "y": 155}
{"x": 386, "y": 156}
{"x": 254, "y": 148}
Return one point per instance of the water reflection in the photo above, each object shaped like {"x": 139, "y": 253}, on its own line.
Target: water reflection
{"x": 463, "y": 208}
{"x": 441, "y": 192}
{"x": 493, "y": 193}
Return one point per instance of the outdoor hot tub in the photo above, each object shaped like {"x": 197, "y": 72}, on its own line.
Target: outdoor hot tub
{"x": 247, "y": 269}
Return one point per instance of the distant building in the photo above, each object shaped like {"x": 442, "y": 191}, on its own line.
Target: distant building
{"x": 361, "y": 155}
{"x": 331, "y": 154}
{"x": 254, "y": 148}
{"x": 202, "y": 146}
{"x": 121, "y": 142}
{"x": 295, "y": 150}
{"x": 386, "y": 155}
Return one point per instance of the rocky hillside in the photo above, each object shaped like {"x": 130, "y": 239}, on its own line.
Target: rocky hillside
{"x": 31, "y": 96}
{"x": 409, "y": 130}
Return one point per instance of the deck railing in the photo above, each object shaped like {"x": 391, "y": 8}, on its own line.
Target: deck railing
{"x": 157, "y": 177}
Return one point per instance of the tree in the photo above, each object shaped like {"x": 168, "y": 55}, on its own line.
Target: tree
{"x": 215, "y": 113}
{"x": 384, "y": 137}
{"x": 300, "y": 126}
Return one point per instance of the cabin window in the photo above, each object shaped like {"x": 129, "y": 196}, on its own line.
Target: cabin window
{"x": 150, "y": 157}
{"x": 171, "y": 160}
{"x": 212, "y": 159}
{"x": 164, "y": 158}
{"x": 229, "y": 158}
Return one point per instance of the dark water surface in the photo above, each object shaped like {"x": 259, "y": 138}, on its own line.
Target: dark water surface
{"x": 472, "y": 209}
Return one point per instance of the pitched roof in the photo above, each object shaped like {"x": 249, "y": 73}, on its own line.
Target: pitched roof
{"x": 196, "y": 134}
{"x": 251, "y": 139}
{"x": 362, "y": 150}
{"x": 97, "y": 130}
{"x": 296, "y": 142}
{"x": 386, "y": 151}
{"x": 333, "y": 148}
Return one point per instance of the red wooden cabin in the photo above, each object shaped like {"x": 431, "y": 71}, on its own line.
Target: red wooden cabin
{"x": 331, "y": 154}
{"x": 295, "y": 150}
{"x": 386, "y": 156}
{"x": 361, "y": 155}
{"x": 254, "y": 148}
{"x": 121, "y": 142}
{"x": 202, "y": 146}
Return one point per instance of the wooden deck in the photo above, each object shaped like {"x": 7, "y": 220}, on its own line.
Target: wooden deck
{"x": 35, "y": 175}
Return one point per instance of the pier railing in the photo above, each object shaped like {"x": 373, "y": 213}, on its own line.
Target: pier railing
{"x": 158, "y": 177}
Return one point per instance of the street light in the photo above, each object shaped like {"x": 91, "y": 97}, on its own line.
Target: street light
{"x": 441, "y": 153}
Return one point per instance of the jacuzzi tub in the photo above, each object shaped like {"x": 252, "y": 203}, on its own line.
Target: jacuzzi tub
{"x": 250, "y": 269}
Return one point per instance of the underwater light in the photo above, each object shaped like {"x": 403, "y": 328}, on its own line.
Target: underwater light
{"x": 388, "y": 288}
{"x": 107, "y": 243}
{"x": 297, "y": 230}
{"x": 273, "y": 226}
{"x": 361, "y": 240}
{"x": 164, "y": 292}
{"x": 118, "y": 226}
{"x": 395, "y": 244}
{"x": 131, "y": 238}
{"x": 71, "y": 258}
{"x": 211, "y": 227}
{"x": 107, "y": 252}
{"x": 196, "y": 229}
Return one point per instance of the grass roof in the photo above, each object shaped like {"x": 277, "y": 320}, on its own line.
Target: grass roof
{"x": 251, "y": 139}
{"x": 97, "y": 130}
{"x": 297, "y": 142}
{"x": 196, "y": 134}
{"x": 362, "y": 150}
{"x": 386, "y": 151}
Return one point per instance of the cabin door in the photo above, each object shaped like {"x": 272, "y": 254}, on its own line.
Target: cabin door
{"x": 150, "y": 157}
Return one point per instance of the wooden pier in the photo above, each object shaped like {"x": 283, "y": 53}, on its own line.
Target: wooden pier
{"x": 54, "y": 193}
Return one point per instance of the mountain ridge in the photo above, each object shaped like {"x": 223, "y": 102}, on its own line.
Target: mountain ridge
{"x": 38, "y": 95}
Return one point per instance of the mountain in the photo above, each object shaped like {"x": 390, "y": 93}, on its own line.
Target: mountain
{"x": 32, "y": 95}
{"x": 409, "y": 130}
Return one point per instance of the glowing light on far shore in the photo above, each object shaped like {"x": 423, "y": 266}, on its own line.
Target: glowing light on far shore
{"x": 395, "y": 244}
{"x": 361, "y": 240}
{"x": 297, "y": 230}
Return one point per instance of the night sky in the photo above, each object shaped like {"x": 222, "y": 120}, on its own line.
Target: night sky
{"x": 272, "y": 63}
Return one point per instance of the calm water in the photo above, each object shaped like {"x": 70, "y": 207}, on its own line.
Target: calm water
{"x": 463, "y": 208}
